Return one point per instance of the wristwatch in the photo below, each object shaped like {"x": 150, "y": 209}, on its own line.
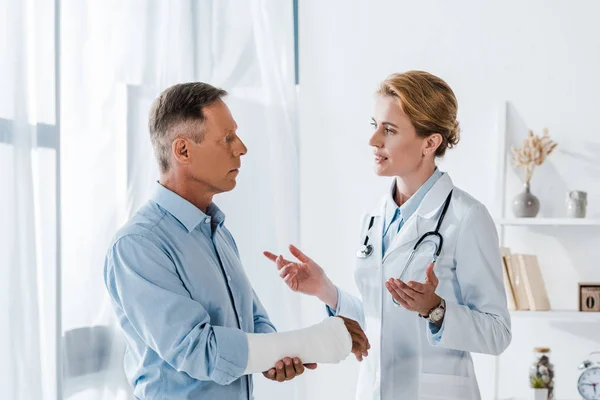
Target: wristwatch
{"x": 437, "y": 314}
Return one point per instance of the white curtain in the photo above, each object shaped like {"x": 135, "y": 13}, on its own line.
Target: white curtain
{"x": 116, "y": 58}
{"x": 27, "y": 221}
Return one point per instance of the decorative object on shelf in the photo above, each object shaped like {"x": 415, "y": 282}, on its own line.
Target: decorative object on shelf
{"x": 534, "y": 151}
{"x": 525, "y": 204}
{"x": 588, "y": 383}
{"x": 539, "y": 391}
{"x": 589, "y": 297}
{"x": 576, "y": 204}
{"x": 541, "y": 372}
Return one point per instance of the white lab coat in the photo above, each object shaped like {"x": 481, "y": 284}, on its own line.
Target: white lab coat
{"x": 404, "y": 361}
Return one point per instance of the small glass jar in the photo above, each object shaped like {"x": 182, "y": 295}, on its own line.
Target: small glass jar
{"x": 542, "y": 370}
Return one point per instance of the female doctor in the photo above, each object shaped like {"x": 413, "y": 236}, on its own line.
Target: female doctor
{"x": 428, "y": 266}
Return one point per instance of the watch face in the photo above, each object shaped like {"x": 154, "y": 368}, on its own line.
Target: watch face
{"x": 437, "y": 314}
{"x": 589, "y": 384}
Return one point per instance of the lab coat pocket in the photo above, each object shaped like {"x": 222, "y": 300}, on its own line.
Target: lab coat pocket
{"x": 446, "y": 387}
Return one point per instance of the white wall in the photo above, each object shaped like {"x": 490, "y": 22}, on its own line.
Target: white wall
{"x": 543, "y": 58}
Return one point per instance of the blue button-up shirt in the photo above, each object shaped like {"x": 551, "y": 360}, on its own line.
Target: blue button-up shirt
{"x": 396, "y": 215}
{"x": 183, "y": 301}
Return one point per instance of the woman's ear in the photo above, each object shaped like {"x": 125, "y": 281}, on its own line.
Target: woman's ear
{"x": 432, "y": 142}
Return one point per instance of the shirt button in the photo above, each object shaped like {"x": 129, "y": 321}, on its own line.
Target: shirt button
{"x": 206, "y": 220}
{"x": 228, "y": 277}
{"x": 241, "y": 320}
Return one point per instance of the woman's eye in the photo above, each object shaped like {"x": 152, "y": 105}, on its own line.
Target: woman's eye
{"x": 388, "y": 131}
{"x": 374, "y": 125}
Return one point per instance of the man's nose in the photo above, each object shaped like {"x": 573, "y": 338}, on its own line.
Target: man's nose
{"x": 240, "y": 149}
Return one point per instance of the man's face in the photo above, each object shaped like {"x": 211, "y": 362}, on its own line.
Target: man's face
{"x": 215, "y": 160}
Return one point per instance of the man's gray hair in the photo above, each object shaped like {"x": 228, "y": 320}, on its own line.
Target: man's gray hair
{"x": 180, "y": 103}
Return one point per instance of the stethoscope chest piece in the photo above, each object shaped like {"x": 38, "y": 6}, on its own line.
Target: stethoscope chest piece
{"x": 364, "y": 251}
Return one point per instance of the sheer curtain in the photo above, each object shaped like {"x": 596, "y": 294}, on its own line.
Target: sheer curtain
{"x": 116, "y": 57}
{"x": 27, "y": 229}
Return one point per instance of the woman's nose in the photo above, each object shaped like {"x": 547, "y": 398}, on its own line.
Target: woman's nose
{"x": 376, "y": 140}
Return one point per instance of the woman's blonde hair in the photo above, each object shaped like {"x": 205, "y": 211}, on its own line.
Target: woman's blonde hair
{"x": 429, "y": 103}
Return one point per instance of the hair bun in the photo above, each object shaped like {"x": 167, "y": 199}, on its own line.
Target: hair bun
{"x": 454, "y": 135}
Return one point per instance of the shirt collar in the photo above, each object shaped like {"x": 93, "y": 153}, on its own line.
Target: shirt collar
{"x": 185, "y": 212}
{"x": 412, "y": 204}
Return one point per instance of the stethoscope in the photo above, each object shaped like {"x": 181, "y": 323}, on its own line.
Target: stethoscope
{"x": 367, "y": 249}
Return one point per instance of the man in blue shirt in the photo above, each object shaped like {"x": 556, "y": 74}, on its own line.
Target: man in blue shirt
{"x": 173, "y": 271}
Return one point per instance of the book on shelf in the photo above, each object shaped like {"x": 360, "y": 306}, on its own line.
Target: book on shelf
{"x": 523, "y": 282}
{"x": 535, "y": 288}
{"x": 516, "y": 282}
{"x": 508, "y": 288}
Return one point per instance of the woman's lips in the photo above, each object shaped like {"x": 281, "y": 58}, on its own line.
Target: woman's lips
{"x": 380, "y": 159}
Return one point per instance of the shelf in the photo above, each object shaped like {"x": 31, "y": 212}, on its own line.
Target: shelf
{"x": 549, "y": 222}
{"x": 557, "y": 314}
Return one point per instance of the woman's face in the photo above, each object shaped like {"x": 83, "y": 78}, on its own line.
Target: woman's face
{"x": 397, "y": 148}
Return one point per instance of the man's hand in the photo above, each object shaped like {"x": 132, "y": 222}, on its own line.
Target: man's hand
{"x": 360, "y": 342}
{"x": 415, "y": 296}
{"x": 287, "y": 369}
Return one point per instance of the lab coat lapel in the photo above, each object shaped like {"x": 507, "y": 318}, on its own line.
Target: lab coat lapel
{"x": 420, "y": 221}
{"x": 434, "y": 199}
{"x": 376, "y": 234}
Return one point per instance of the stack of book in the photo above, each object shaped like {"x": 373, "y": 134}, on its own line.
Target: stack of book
{"x": 523, "y": 282}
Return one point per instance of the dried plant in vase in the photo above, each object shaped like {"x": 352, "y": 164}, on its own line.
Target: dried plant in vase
{"x": 533, "y": 153}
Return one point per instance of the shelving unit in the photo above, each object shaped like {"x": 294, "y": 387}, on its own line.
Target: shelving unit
{"x": 548, "y": 222}
{"x": 504, "y": 222}
{"x": 557, "y": 314}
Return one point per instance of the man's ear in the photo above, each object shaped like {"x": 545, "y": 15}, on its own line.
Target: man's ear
{"x": 180, "y": 150}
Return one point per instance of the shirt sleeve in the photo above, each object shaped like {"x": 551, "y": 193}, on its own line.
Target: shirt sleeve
{"x": 144, "y": 284}
{"x": 348, "y": 306}
{"x": 435, "y": 332}
{"x": 262, "y": 324}
{"x": 480, "y": 322}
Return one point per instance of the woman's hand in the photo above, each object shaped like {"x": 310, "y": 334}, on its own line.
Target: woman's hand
{"x": 305, "y": 276}
{"x": 415, "y": 296}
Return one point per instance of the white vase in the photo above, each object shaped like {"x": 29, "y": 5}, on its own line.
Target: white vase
{"x": 576, "y": 204}
{"x": 539, "y": 394}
